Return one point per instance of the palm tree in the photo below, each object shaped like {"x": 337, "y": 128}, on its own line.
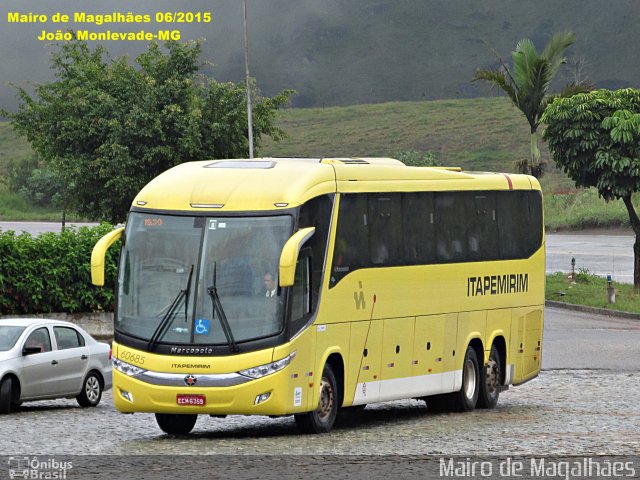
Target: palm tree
{"x": 529, "y": 82}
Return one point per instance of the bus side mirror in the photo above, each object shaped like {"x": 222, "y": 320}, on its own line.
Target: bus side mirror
{"x": 289, "y": 255}
{"x": 98, "y": 254}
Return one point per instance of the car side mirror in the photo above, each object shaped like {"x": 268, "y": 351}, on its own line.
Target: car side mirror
{"x": 30, "y": 350}
{"x": 289, "y": 255}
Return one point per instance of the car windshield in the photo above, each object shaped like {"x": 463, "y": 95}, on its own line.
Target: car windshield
{"x": 197, "y": 280}
{"x": 9, "y": 335}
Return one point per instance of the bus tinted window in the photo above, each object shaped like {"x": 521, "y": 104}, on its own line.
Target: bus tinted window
{"x": 482, "y": 226}
{"x": 352, "y": 238}
{"x": 451, "y": 223}
{"x": 385, "y": 231}
{"x": 419, "y": 228}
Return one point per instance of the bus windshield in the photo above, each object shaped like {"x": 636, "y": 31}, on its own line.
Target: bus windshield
{"x": 201, "y": 280}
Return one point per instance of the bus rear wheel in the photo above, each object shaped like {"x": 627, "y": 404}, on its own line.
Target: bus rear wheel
{"x": 491, "y": 380}
{"x": 175, "y": 424}
{"x": 322, "y": 419}
{"x": 466, "y": 399}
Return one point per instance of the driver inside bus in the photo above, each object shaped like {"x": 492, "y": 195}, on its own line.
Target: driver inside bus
{"x": 270, "y": 285}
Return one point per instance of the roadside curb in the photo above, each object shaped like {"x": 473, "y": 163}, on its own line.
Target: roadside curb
{"x": 595, "y": 310}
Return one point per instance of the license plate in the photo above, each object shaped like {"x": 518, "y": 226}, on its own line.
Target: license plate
{"x": 197, "y": 400}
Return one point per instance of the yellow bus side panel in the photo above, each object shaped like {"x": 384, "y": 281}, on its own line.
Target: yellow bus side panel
{"x": 526, "y": 343}
{"x": 364, "y": 372}
{"x": 300, "y": 371}
{"x": 397, "y": 353}
{"x": 533, "y": 343}
{"x": 432, "y": 348}
{"x": 330, "y": 338}
{"x": 498, "y": 325}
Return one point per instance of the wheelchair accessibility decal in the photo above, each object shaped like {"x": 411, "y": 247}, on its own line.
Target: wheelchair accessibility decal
{"x": 202, "y": 326}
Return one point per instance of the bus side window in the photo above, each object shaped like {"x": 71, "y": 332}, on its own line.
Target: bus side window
{"x": 352, "y": 236}
{"x": 482, "y": 233}
{"x": 385, "y": 232}
{"x": 300, "y": 296}
{"x": 451, "y": 215}
{"x": 418, "y": 218}
{"x": 317, "y": 213}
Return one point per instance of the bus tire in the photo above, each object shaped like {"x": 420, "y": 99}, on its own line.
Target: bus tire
{"x": 490, "y": 381}
{"x": 176, "y": 424}
{"x": 466, "y": 399}
{"x": 438, "y": 403}
{"x": 322, "y": 419}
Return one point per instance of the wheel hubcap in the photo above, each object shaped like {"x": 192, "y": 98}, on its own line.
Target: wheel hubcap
{"x": 326, "y": 399}
{"x": 92, "y": 389}
{"x": 493, "y": 375}
{"x": 469, "y": 379}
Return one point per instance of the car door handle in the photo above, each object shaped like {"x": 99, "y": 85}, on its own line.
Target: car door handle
{"x": 83, "y": 357}
{"x": 54, "y": 362}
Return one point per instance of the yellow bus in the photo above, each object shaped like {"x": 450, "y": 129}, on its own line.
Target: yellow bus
{"x": 297, "y": 287}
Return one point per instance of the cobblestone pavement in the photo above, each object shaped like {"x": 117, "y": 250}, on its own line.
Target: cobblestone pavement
{"x": 562, "y": 412}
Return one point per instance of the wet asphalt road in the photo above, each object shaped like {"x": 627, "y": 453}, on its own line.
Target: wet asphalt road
{"x": 600, "y": 252}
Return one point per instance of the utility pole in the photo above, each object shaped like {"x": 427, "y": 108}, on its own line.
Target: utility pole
{"x": 246, "y": 68}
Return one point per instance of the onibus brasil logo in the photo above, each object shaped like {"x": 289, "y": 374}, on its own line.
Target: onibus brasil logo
{"x": 38, "y": 468}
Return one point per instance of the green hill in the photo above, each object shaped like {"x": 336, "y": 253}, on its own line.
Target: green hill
{"x": 476, "y": 134}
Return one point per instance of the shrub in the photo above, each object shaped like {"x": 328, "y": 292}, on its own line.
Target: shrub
{"x": 37, "y": 183}
{"x": 413, "y": 158}
{"x": 51, "y": 272}
{"x": 585, "y": 276}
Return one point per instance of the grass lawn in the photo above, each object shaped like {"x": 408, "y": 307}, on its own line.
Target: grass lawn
{"x": 590, "y": 290}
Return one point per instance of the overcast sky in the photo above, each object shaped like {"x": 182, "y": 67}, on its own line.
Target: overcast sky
{"x": 338, "y": 52}
{"x": 25, "y": 59}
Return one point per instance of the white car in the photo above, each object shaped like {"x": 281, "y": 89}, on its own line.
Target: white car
{"x": 43, "y": 359}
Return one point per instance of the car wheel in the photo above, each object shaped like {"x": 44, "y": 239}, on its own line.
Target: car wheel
{"x": 322, "y": 419}
{"x": 7, "y": 401}
{"x": 91, "y": 392}
{"x": 175, "y": 424}
{"x": 490, "y": 381}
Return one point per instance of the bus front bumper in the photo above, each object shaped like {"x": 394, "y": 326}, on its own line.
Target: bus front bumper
{"x": 262, "y": 396}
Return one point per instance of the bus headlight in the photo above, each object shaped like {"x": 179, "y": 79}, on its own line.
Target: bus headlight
{"x": 126, "y": 368}
{"x": 268, "y": 369}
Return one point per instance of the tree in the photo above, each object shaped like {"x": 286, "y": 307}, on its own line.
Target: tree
{"x": 107, "y": 127}
{"x": 595, "y": 138}
{"x": 528, "y": 84}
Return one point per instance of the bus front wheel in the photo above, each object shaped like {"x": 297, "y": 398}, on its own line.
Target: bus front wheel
{"x": 175, "y": 424}
{"x": 322, "y": 419}
{"x": 465, "y": 400}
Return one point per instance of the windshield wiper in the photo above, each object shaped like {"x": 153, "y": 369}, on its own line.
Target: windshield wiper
{"x": 217, "y": 308}
{"x": 163, "y": 326}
